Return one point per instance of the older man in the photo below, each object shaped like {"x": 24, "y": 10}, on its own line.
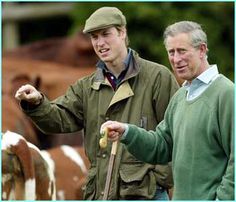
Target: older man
{"x": 197, "y": 133}
{"x": 125, "y": 88}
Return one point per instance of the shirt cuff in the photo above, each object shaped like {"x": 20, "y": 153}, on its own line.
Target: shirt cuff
{"x": 125, "y": 132}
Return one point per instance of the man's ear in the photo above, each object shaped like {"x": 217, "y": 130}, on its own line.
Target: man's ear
{"x": 203, "y": 50}
{"x": 123, "y": 32}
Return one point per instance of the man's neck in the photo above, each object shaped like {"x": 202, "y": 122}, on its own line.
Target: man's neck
{"x": 118, "y": 65}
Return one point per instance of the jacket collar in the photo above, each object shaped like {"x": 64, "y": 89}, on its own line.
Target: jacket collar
{"x": 133, "y": 70}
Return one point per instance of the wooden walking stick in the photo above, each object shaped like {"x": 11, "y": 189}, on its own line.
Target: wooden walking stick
{"x": 103, "y": 144}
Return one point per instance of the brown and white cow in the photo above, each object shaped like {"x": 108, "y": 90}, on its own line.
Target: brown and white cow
{"x": 29, "y": 174}
{"x": 26, "y": 175}
{"x": 70, "y": 168}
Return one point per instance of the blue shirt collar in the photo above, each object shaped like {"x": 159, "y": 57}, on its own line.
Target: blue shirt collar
{"x": 205, "y": 77}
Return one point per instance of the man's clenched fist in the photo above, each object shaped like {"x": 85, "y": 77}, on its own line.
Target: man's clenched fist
{"x": 29, "y": 94}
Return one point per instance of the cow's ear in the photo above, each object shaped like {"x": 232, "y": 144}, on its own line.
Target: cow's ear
{"x": 37, "y": 81}
{"x": 18, "y": 80}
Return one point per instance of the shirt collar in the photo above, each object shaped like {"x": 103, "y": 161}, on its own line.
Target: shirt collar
{"x": 209, "y": 74}
{"x": 205, "y": 77}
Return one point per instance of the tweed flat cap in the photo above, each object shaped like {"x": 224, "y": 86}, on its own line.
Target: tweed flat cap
{"x": 104, "y": 17}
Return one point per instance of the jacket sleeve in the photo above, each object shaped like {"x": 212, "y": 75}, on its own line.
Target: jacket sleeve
{"x": 163, "y": 91}
{"x": 63, "y": 115}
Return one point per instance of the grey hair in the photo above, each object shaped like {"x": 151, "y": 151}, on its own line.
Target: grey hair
{"x": 198, "y": 36}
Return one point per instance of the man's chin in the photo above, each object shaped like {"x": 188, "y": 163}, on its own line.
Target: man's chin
{"x": 105, "y": 59}
{"x": 182, "y": 74}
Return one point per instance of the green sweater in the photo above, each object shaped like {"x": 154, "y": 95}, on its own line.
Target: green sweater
{"x": 198, "y": 137}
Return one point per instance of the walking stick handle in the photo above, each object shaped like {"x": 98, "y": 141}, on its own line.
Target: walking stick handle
{"x": 114, "y": 148}
{"x": 103, "y": 140}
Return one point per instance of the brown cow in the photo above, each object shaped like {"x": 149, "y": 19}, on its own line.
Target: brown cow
{"x": 14, "y": 119}
{"x": 54, "y": 78}
{"x": 70, "y": 168}
{"x": 74, "y": 51}
{"x": 26, "y": 175}
{"x": 50, "y": 78}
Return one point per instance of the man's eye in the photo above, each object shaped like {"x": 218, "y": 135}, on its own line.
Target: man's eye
{"x": 93, "y": 37}
{"x": 182, "y": 51}
{"x": 106, "y": 33}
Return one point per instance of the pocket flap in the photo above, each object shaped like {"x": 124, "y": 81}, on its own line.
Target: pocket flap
{"x": 134, "y": 172}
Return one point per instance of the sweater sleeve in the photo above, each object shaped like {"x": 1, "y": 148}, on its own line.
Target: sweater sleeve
{"x": 226, "y": 189}
{"x": 226, "y": 122}
{"x": 154, "y": 147}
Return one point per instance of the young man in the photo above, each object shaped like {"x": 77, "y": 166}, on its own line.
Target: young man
{"x": 197, "y": 131}
{"x": 125, "y": 88}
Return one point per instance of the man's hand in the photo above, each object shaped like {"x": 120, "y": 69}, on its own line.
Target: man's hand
{"x": 115, "y": 129}
{"x": 29, "y": 94}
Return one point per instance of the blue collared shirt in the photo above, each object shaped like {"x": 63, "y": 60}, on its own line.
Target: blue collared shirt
{"x": 112, "y": 79}
{"x": 201, "y": 83}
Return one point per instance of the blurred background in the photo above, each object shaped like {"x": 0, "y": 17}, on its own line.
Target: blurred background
{"x": 24, "y": 23}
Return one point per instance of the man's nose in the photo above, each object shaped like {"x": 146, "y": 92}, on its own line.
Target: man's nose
{"x": 176, "y": 58}
{"x": 100, "y": 41}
